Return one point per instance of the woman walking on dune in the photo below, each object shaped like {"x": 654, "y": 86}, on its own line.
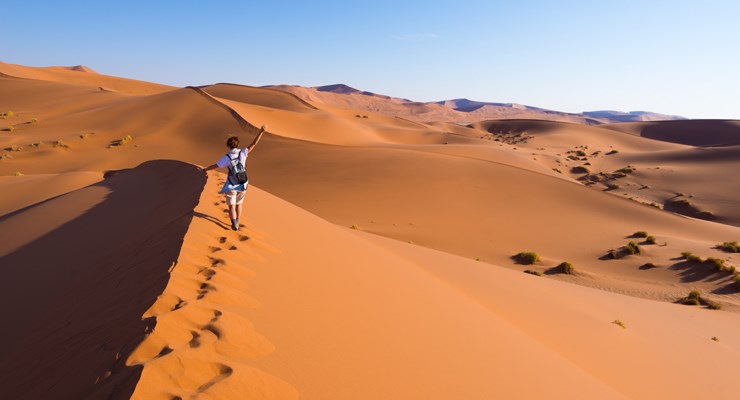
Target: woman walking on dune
{"x": 236, "y": 184}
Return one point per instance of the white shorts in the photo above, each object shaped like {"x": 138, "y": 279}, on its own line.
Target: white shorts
{"x": 235, "y": 197}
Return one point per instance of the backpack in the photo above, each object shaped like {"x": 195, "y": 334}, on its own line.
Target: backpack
{"x": 236, "y": 170}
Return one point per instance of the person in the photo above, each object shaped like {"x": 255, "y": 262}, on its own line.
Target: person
{"x": 236, "y": 184}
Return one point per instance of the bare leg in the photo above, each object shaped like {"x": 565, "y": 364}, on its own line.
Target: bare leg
{"x": 234, "y": 211}
{"x": 238, "y": 211}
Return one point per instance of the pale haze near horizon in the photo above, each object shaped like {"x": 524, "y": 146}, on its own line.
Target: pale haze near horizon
{"x": 675, "y": 57}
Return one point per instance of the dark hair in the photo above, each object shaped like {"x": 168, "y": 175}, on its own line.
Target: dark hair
{"x": 233, "y": 142}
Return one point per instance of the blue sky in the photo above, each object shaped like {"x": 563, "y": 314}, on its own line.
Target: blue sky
{"x": 674, "y": 57}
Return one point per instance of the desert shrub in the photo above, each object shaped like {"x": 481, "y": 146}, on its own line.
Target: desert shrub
{"x": 640, "y": 234}
{"x": 34, "y": 120}
{"x": 632, "y": 248}
{"x": 712, "y": 305}
{"x": 730, "y": 247}
{"x": 557, "y": 170}
{"x": 354, "y": 227}
{"x": 715, "y": 338}
{"x": 619, "y": 323}
{"x": 121, "y": 142}
{"x": 10, "y": 128}
{"x": 612, "y": 152}
{"x": 717, "y": 264}
{"x": 626, "y": 170}
{"x": 9, "y": 114}
{"x": 19, "y": 173}
{"x": 680, "y": 202}
{"x": 579, "y": 170}
{"x": 648, "y": 266}
{"x": 693, "y": 299}
{"x": 650, "y": 240}
{"x": 686, "y": 254}
{"x": 60, "y": 143}
{"x": 581, "y": 153}
{"x": 14, "y": 148}
{"x": 565, "y": 268}
{"x": 612, "y": 186}
{"x": 527, "y": 257}
{"x": 532, "y": 272}
{"x": 694, "y": 258}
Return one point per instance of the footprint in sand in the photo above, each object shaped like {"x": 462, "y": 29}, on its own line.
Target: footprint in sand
{"x": 243, "y": 238}
{"x": 208, "y": 273}
{"x": 195, "y": 341}
{"x": 232, "y": 248}
{"x": 213, "y": 249}
{"x": 224, "y": 371}
{"x": 180, "y": 304}
{"x": 222, "y": 239}
{"x": 215, "y": 262}
{"x": 205, "y": 288}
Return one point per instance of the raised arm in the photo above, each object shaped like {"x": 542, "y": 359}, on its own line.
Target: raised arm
{"x": 257, "y": 139}
{"x": 210, "y": 167}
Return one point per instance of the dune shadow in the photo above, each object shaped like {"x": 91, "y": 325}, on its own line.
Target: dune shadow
{"x": 72, "y": 300}
{"x": 693, "y": 272}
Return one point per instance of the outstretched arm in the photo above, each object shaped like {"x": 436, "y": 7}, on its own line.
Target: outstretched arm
{"x": 257, "y": 139}
{"x": 210, "y": 167}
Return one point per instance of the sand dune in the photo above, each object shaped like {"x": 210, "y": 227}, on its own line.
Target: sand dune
{"x": 89, "y": 78}
{"x": 78, "y": 273}
{"x": 422, "y": 299}
{"x": 705, "y": 133}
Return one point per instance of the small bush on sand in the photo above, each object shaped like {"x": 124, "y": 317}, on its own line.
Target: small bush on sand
{"x": 712, "y": 305}
{"x": 565, "y": 268}
{"x": 579, "y": 170}
{"x": 354, "y": 227}
{"x": 632, "y": 248}
{"x": 14, "y": 148}
{"x": 729, "y": 247}
{"x": 619, "y": 323}
{"x": 626, "y": 170}
{"x": 557, "y": 170}
{"x": 680, "y": 202}
{"x": 10, "y": 128}
{"x": 60, "y": 143}
{"x": 612, "y": 186}
{"x": 612, "y": 152}
{"x": 686, "y": 254}
{"x": 694, "y": 259}
{"x": 650, "y": 240}
{"x": 121, "y": 142}
{"x": 648, "y": 266}
{"x": 715, "y": 338}
{"x": 717, "y": 264}
{"x": 34, "y": 120}
{"x": 527, "y": 257}
{"x": 693, "y": 299}
{"x": 8, "y": 114}
{"x": 19, "y": 173}
{"x": 532, "y": 272}
{"x": 640, "y": 234}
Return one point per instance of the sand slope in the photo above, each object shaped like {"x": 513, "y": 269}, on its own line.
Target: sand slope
{"x": 78, "y": 273}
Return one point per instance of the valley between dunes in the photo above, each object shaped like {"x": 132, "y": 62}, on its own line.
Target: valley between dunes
{"x": 378, "y": 254}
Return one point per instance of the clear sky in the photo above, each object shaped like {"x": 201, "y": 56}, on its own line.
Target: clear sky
{"x": 674, "y": 57}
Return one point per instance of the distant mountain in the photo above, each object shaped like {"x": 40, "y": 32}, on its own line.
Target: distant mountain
{"x": 632, "y": 116}
{"x": 456, "y": 110}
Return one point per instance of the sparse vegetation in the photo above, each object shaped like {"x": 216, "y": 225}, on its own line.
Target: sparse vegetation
{"x": 680, "y": 202}
{"x": 527, "y": 257}
{"x": 729, "y": 247}
{"x": 650, "y": 240}
{"x": 532, "y": 272}
{"x": 648, "y": 266}
{"x": 717, "y": 264}
{"x": 693, "y": 299}
{"x": 7, "y": 114}
{"x": 14, "y": 148}
{"x": 557, "y": 170}
{"x": 565, "y": 268}
{"x": 715, "y": 338}
{"x": 619, "y": 323}
{"x": 626, "y": 170}
{"x": 632, "y": 248}
{"x": 354, "y": 227}
{"x": 579, "y": 170}
{"x": 34, "y": 120}
{"x": 121, "y": 142}
{"x": 612, "y": 152}
{"x": 37, "y": 144}
{"x": 612, "y": 186}
{"x": 640, "y": 234}
{"x": 19, "y": 173}
{"x": 60, "y": 143}
{"x": 83, "y": 136}
{"x": 10, "y": 128}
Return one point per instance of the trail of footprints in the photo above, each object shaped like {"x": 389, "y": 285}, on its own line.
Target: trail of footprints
{"x": 205, "y": 275}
